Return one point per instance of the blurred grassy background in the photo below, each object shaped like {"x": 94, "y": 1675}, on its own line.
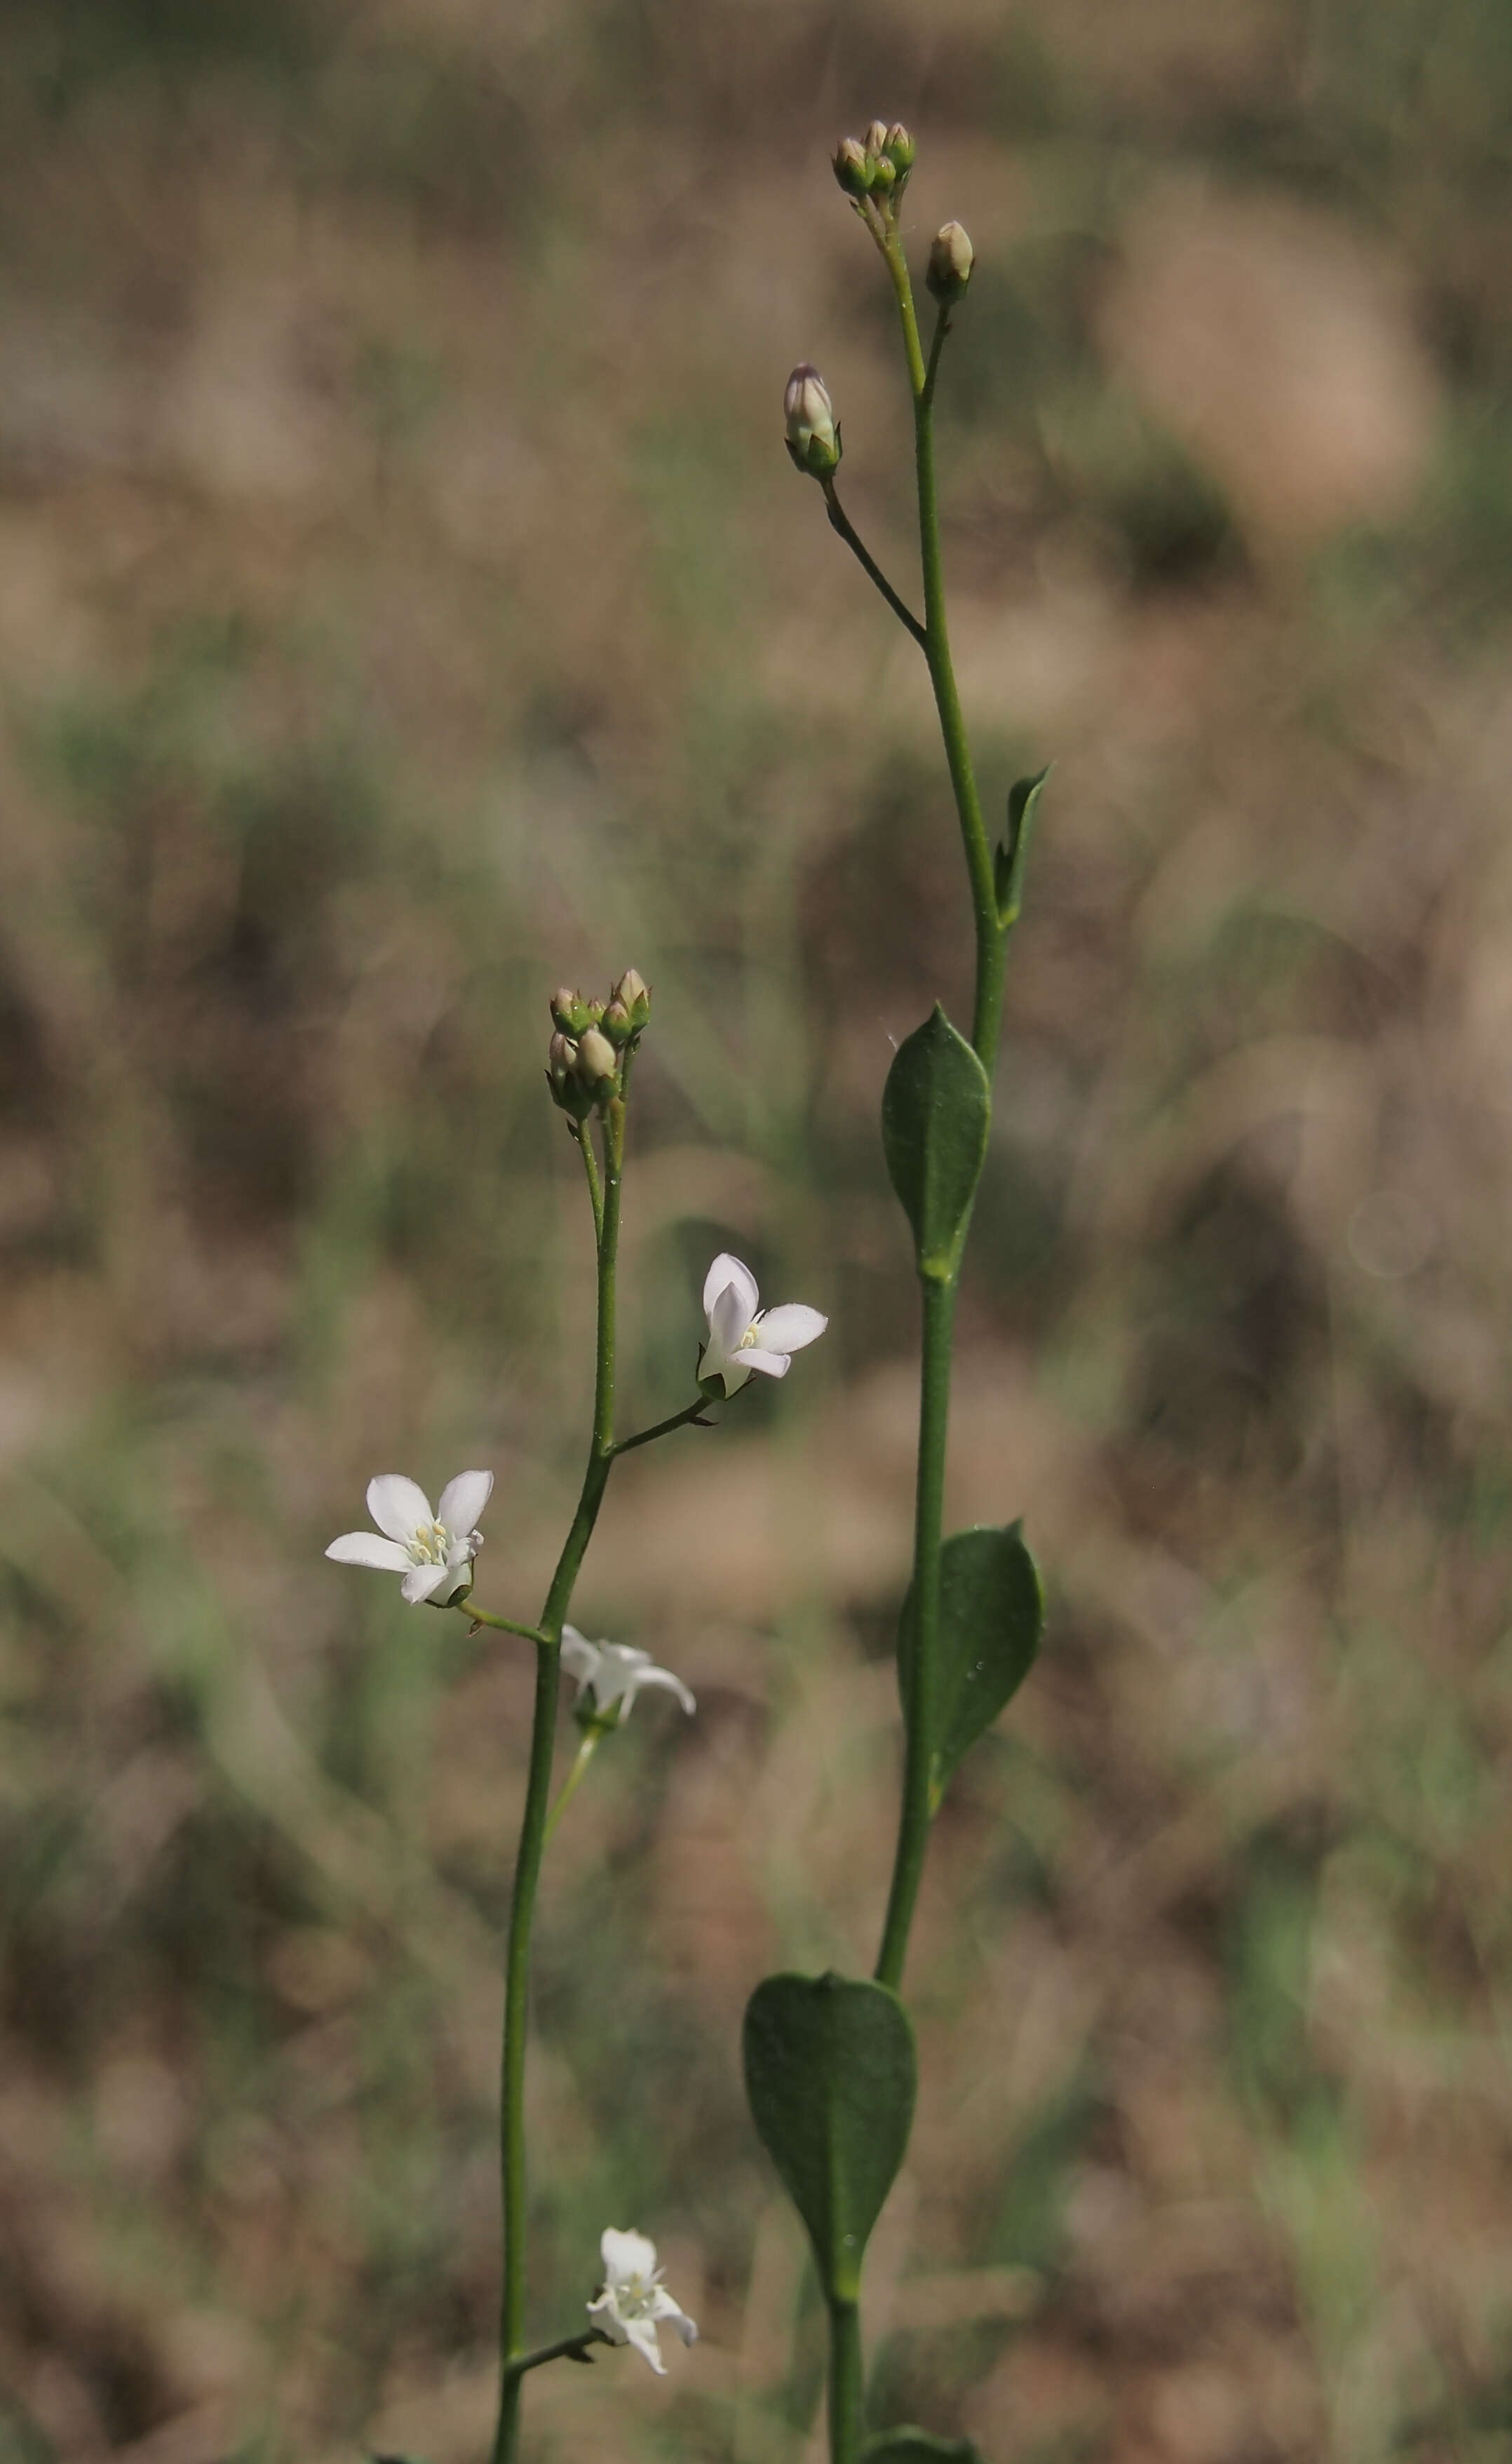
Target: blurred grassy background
{"x": 405, "y": 602}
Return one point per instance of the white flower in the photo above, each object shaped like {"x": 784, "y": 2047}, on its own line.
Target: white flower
{"x": 743, "y": 1337}
{"x": 615, "y": 1672}
{"x": 632, "y": 2297}
{"x": 433, "y": 1553}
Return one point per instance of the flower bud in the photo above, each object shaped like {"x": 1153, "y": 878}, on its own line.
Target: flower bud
{"x": 568, "y": 1090}
{"x": 950, "y": 261}
{"x": 899, "y": 148}
{"x": 595, "y": 1058}
{"x": 851, "y": 166}
{"x": 812, "y": 431}
{"x": 884, "y": 175}
{"x": 616, "y": 1025}
{"x": 634, "y": 993}
{"x": 573, "y": 1011}
{"x": 876, "y": 136}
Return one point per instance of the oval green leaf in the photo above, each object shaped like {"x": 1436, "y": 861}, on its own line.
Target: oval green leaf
{"x": 917, "y": 2447}
{"x": 991, "y": 1616}
{"x": 937, "y": 1109}
{"x": 829, "y": 2077}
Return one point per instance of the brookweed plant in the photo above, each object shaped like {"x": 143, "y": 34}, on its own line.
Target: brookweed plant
{"x": 829, "y": 2060}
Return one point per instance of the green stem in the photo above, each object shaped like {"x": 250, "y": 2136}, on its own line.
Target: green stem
{"x": 503, "y": 1625}
{"x": 840, "y": 521}
{"x": 568, "y": 1789}
{"x": 567, "y": 2348}
{"x": 538, "y": 1785}
{"x": 845, "y": 2382}
{"x": 688, "y": 1417}
{"x": 988, "y": 1007}
{"x": 914, "y": 1819}
{"x": 580, "y": 1130}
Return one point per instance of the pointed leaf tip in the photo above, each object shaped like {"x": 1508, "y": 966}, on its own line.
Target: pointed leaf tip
{"x": 1008, "y": 864}
{"x": 937, "y": 1109}
{"x": 831, "y": 2076}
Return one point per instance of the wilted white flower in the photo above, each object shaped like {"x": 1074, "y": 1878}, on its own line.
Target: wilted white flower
{"x": 615, "y": 1672}
{"x": 433, "y": 1553}
{"x": 632, "y": 2297}
{"x": 743, "y": 1336}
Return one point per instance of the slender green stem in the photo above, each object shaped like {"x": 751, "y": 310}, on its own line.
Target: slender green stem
{"x": 584, "y": 1137}
{"x": 988, "y": 1007}
{"x": 840, "y": 521}
{"x": 586, "y": 1749}
{"x": 913, "y": 1828}
{"x": 567, "y": 2348}
{"x": 538, "y": 1785}
{"x": 845, "y": 2382}
{"x": 690, "y": 1417}
{"x": 503, "y": 1625}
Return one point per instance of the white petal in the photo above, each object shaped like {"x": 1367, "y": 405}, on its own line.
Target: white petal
{"x": 626, "y": 2254}
{"x": 786, "y": 1329}
{"x": 663, "y": 2307}
{"x": 725, "y": 1274}
{"x": 606, "y": 2318}
{"x": 579, "y": 1656}
{"x": 366, "y": 1549}
{"x": 422, "y": 1581}
{"x": 464, "y": 1498}
{"x": 728, "y": 1321}
{"x": 771, "y": 1364}
{"x": 664, "y": 1676}
{"x": 398, "y": 1505}
{"x": 642, "y": 2334}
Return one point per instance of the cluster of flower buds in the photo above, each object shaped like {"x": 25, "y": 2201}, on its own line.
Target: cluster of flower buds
{"x": 877, "y": 165}
{"x": 813, "y": 432}
{"x": 951, "y": 257}
{"x": 583, "y": 1058}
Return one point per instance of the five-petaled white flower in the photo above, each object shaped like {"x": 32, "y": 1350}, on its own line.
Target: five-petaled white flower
{"x": 632, "y": 2297}
{"x": 615, "y": 1672}
{"x": 743, "y": 1336}
{"x": 433, "y": 1553}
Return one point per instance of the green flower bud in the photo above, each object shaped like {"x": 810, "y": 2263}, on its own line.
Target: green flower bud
{"x": 899, "y": 148}
{"x": 812, "y": 431}
{"x": 884, "y": 175}
{"x": 568, "y": 1090}
{"x": 595, "y": 1058}
{"x": 950, "y": 261}
{"x": 852, "y": 168}
{"x": 616, "y": 1025}
{"x": 875, "y": 138}
{"x": 634, "y": 993}
{"x": 573, "y": 1011}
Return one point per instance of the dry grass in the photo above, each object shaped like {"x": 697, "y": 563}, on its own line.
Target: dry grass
{"x": 404, "y": 604}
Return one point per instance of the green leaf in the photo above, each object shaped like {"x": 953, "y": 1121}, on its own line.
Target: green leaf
{"x": 917, "y": 2447}
{"x": 937, "y": 1109}
{"x": 1008, "y": 865}
{"x": 829, "y": 2077}
{"x": 991, "y": 1614}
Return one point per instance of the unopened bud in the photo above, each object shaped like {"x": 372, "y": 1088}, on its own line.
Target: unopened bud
{"x": 876, "y": 136}
{"x": 851, "y": 166}
{"x": 812, "y": 431}
{"x": 573, "y": 1011}
{"x": 568, "y": 1090}
{"x": 595, "y": 1058}
{"x": 899, "y": 148}
{"x": 884, "y": 175}
{"x": 616, "y": 1025}
{"x": 950, "y": 261}
{"x": 634, "y": 993}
